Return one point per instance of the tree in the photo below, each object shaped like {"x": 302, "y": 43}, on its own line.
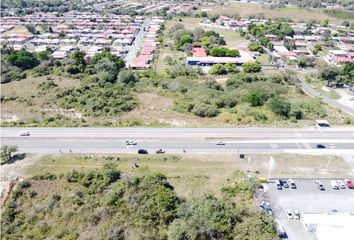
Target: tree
{"x": 280, "y": 106}
{"x": 304, "y": 61}
{"x": 126, "y": 76}
{"x": 204, "y": 14}
{"x": 329, "y": 74}
{"x": 78, "y": 58}
{"x": 31, "y": 28}
{"x": 346, "y": 24}
{"x": 348, "y": 69}
{"x": 62, "y": 34}
{"x": 198, "y": 33}
{"x": 44, "y": 55}
{"x": 22, "y": 59}
{"x": 6, "y": 153}
{"x": 251, "y": 67}
{"x": 184, "y": 40}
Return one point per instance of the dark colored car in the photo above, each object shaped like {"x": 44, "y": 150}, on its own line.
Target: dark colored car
{"x": 284, "y": 183}
{"x": 320, "y": 146}
{"x": 142, "y": 151}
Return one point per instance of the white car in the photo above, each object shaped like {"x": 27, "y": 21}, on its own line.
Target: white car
{"x": 341, "y": 184}
{"x": 220, "y": 143}
{"x": 296, "y": 214}
{"x": 131, "y": 142}
{"x": 24, "y": 134}
{"x": 334, "y": 184}
{"x": 289, "y": 214}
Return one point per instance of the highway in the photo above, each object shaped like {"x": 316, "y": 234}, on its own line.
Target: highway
{"x": 174, "y": 140}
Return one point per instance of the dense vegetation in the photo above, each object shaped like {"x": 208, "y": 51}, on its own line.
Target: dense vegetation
{"x": 185, "y": 40}
{"x": 106, "y": 89}
{"x": 108, "y": 204}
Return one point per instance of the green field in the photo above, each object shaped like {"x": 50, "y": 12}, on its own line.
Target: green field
{"x": 246, "y": 10}
{"x": 194, "y": 175}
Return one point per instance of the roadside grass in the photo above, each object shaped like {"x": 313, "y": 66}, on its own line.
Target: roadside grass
{"x": 320, "y": 86}
{"x": 30, "y": 100}
{"x": 195, "y": 175}
{"x": 246, "y": 10}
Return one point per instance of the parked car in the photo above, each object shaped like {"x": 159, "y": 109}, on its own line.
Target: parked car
{"x": 278, "y": 184}
{"x": 341, "y": 184}
{"x": 220, "y": 143}
{"x": 265, "y": 207}
{"x": 131, "y": 142}
{"x": 142, "y": 151}
{"x": 296, "y": 214}
{"x": 284, "y": 183}
{"x": 292, "y": 184}
{"x": 320, "y": 146}
{"x": 319, "y": 185}
{"x": 289, "y": 214}
{"x": 334, "y": 184}
{"x": 24, "y": 133}
{"x": 280, "y": 230}
{"x": 159, "y": 151}
{"x": 349, "y": 183}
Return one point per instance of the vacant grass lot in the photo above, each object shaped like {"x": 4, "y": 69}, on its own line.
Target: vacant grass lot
{"x": 194, "y": 175}
{"x": 246, "y": 10}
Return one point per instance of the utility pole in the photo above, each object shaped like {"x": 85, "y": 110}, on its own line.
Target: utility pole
{"x": 271, "y": 165}
{"x": 248, "y": 164}
{"x": 329, "y": 162}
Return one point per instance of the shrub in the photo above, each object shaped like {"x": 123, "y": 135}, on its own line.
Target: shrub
{"x": 255, "y": 47}
{"x": 279, "y": 106}
{"x": 205, "y": 110}
{"x": 218, "y": 69}
{"x": 251, "y": 67}
{"x": 126, "y": 76}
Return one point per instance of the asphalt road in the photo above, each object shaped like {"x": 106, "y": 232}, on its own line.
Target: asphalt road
{"x": 135, "y": 47}
{"x": 174, "y": 140}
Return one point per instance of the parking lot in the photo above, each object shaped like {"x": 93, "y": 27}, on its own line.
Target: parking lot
{"x": 307, "y": 198}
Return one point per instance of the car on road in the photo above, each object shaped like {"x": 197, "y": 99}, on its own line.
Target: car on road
{"x": 319, "y": 185}
{"x": 349, "y": 183}
{"x": 142, "y": 151}
{"x": 284, "y": 183}
{"x": 159, "y": 151}
{"x": 292, "y": 184}
{"x": 220, "y": 143}
{"x": 320, "y": 146}
{"x": 289, "y": 214}
{"x": 24, "y": 133}
{"x": 278, "y": 184}
{"x": 341, "y": 184}
{"x": 334, "y": 184}
{"x": 296, "y": 214}
{"x": 131, "y": 142}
